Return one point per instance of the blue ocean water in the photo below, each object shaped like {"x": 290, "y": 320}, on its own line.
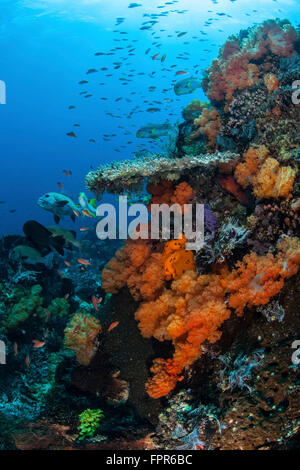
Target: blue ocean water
{"x": 47, "y": 46}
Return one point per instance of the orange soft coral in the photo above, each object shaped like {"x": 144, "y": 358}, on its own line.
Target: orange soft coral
{"x": 176, "y": 259}
{"x": 135, "y": 266}
{"x": 229, "y": 184}
{"x": 246, "y": 170}
{"x": 80, "y": 336}
{"x": 268, "y": 178}
{"x": 234, "y": 68}
{"x": 227, "y": 76}
{"x": 273, "y": 181}
{"x": 193, "y": 310}
{"x": 258, "y": 278}
{"x": 271, "y": 82}
{"x": 166, "y": 193}
{"x": 210, "y": 124}
{"x": 188, "y": 314}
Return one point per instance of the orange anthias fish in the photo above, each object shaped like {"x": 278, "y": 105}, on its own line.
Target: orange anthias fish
{"x": 95, "y": 302}
{"x": 27, "y": 361}
{"x": 83, "y": 229}
{"x": 67, "y": 263}
{"x": 181, "y": 72}
{"x": 48, "y": 315}
{"x": 15, "y": 349}
{"x": 38, "y": 344}
{"x": 84, "y": 262}
{"x": 113, "y": 325}
{"x": 86, "y": 213}
{"x": 155, "y": 56}
{"x": 60, "y": 185}
{"x": 76, "y": 213}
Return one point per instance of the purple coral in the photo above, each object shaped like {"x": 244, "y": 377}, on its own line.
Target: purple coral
{"x": 211, "y": 222}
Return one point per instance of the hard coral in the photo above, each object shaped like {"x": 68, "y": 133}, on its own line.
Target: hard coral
{"x": 89, "y": 423}
{"x": 81, "y": 335}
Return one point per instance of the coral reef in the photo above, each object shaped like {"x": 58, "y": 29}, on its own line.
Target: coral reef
{"x": 81, "y": 335}
{"x": 178, "y": 349}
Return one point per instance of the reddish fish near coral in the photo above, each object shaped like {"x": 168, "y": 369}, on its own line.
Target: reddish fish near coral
{"x": 84, "y": 262}
{"x": 38, "y": 344}
{"x": 95, "y": 303}
{"x": 113, "y": 325}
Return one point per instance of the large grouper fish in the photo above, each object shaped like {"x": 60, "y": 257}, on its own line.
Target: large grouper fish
{"x": 59, "y": 204}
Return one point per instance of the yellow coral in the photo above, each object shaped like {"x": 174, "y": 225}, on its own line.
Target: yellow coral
{"x": 176, "y": 259}
{"x": 268, "y": 178}
{"x": 80, "y": 336}
{"x": 271, "y": 82}
{"x": 273, "y": 181}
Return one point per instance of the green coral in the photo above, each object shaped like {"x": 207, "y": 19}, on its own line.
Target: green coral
{"x": 89, "y": 422}
{"x": 59, "y": 307}
{"x": 28, "y": 304}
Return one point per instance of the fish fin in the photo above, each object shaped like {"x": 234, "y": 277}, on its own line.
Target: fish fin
{"x": 58, "y": 243}
{"x": 61, "y": 203}
{"x": 56, "y": 218}
{"x": 93, "y": 202}
{"x": 48, "y": 260}
{"x": 73, "y": 217}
